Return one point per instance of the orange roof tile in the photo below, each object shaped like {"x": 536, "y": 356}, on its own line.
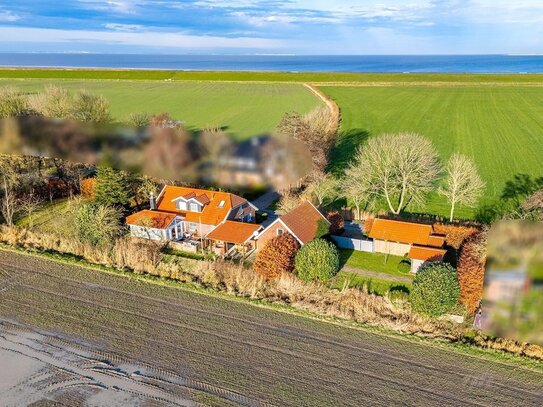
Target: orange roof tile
{"x": 303, "y": 221}
{"x": 436, "y": 240}
{"x": 212, "y": 213}
{"x": 426, "y": 253}
{"x": 403, "y": 232}
{"x": 152, "y": 219}
{"x": 233, "y": 232}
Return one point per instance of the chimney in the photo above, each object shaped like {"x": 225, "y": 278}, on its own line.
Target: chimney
{"x": 152, "y": 202}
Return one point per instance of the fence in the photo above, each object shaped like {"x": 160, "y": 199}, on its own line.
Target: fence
{"x": 361, "y": 245}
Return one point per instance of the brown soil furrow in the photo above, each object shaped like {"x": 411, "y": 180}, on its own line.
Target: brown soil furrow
{"x": 292, "y": 332}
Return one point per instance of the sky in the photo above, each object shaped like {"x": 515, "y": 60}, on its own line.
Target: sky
{"x": 314, "y": 27}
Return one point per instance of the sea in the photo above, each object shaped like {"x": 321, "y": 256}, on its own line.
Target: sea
{"x": 285, "y": 63}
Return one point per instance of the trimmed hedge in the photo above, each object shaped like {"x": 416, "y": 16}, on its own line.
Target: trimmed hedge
{"x": 317, "y": 260}
{"x": 435, "y": 289}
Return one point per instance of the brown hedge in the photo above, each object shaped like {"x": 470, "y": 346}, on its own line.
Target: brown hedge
{"x": 277, "y": 256}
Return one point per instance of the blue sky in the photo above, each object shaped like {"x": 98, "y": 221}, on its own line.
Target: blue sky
{"x": 273, "y": 26}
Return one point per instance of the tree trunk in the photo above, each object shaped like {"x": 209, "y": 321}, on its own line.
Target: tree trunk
{"x": 452, "y": 210}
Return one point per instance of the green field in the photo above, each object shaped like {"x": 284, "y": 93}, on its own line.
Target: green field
{"x": 133, "y": 74}
{"x": 501, "y": 128}
{"x": 245, "y": 109}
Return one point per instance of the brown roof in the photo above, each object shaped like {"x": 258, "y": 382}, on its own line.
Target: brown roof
{"x": 211, "y": 214}
{"x": 303, "y": 221}
{"x": 404, "y": 232}
{"x": 152, "y": 219}
{"x": 426, "y": 253}
{"x": 233, "y": 232}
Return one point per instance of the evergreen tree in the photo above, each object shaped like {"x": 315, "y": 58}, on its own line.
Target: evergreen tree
{"x": 111, "y": 188}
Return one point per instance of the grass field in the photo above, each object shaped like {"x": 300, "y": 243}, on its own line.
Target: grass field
{"x": 244, "y": 109}
{"x": 377, "y": 262}
{"x": 372, "y": 284}
{"x": 501, "y": 128}
{"x": 237, "y": 350}
{"x": 266, "y": 76}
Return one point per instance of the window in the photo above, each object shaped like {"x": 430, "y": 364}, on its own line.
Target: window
{"x": 279, "y": 232}
{"x": 221, "y": 204}
{"x": 193, "y": 227}
{"x": 194, "y": 207}
{"x": 182, "y": 205}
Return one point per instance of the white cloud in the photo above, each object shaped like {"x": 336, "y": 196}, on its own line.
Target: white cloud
{"x": 8, "y": 17}
{"x": 124, "y": 27}
{"x": 145, "y": 38}
{"x": 117, "y": 6}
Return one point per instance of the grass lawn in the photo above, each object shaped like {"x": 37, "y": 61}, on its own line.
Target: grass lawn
{"x": 500, "y": 127}
{"x": 378, "y": 262}
{"x": 50, "y": 217}
{"x": 244, "y": 109}
{"x": 374, "y": 285}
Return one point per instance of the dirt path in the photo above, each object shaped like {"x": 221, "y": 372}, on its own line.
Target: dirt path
{"x": 176, "y": 345}
{"x": 334, "y": 108}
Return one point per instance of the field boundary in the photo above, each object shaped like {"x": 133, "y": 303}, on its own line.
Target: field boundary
{"x": 476, "y": 352}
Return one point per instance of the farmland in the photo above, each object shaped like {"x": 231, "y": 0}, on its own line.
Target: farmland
{"x": 169, "y": 345}
{"x": 244, "y": 109}
{"x": 499, "y": 127}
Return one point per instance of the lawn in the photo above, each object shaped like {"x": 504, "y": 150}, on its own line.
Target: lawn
{"x": 373, "y": 285}
{"x": 244, "y": 109}
{"x": 50, "y": 216}
{"x": 500, "y": 127}
{"x": 377, "y": 262}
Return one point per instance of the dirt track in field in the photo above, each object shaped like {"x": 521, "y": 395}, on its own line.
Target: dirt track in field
{"x": 120, "y": 339}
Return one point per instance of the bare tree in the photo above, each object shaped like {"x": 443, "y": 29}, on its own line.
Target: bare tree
{"x": 53, "y": 102}
{"x": 214, "y": 140}
{"x": 9, "y": 204}
{"x": 28, "y": 204}
{"x": 401, "y": 168}
{"x": 463, "y": 184}
{"x": 323, "y": 188}
{"x": 354, "y": 189}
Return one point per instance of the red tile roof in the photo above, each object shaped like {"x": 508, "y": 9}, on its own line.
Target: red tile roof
{"x": 152, "y": 219}
{"x": 303, "y": 221}
{"x": 404, "y": 232}
{"x": 212, "y": 213}
{"x": 233, "y": 232}
{"x": 426, "y": 253}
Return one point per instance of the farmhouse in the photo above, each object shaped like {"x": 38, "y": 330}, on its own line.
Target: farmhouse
{"x": 302, "y": 222}
{"x": 417, "y": 241}
{"x": 189, "y": 215}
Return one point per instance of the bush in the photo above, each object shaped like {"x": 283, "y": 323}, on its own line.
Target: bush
{"x": 97, "y": 224}
{"x": 404, "y": 266}
{"x": 471, "y": 270}
{"x": 317, "y": 260}
{"x": 337, "y": 223}
{"x": 277, "y": 256}
{"x": 435, "y": 289}
{"x": 88, "y": 186}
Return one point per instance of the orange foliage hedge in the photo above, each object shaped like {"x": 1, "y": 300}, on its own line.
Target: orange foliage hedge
{"x": 471, "y": 270}
{"x": 455, "y": 235}
{"x": 277, "y": 256}
{"x": 88, "y": 186}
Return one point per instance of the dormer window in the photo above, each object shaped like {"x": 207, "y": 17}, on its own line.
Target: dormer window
{"x": 182, "y": 205}
{"x": 194, "y": 207}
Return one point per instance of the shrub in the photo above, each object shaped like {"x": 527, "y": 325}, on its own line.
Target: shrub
{"x": 337, "y": 223}
{"x": 97, "y": 224}
{"x": 138, "y": 120}
{"x": 277, "y": 256}
{"x": 471, "y": 271}
{"x": 455, "y": 235}
{"x": 12, "y": 102}
{"x": 404, "y": 266}
{"x": 317, "y": 260}
{"x": 87, "y": 187}
{"x": 435, "y": 289}
{"x": 323, "y": 228}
